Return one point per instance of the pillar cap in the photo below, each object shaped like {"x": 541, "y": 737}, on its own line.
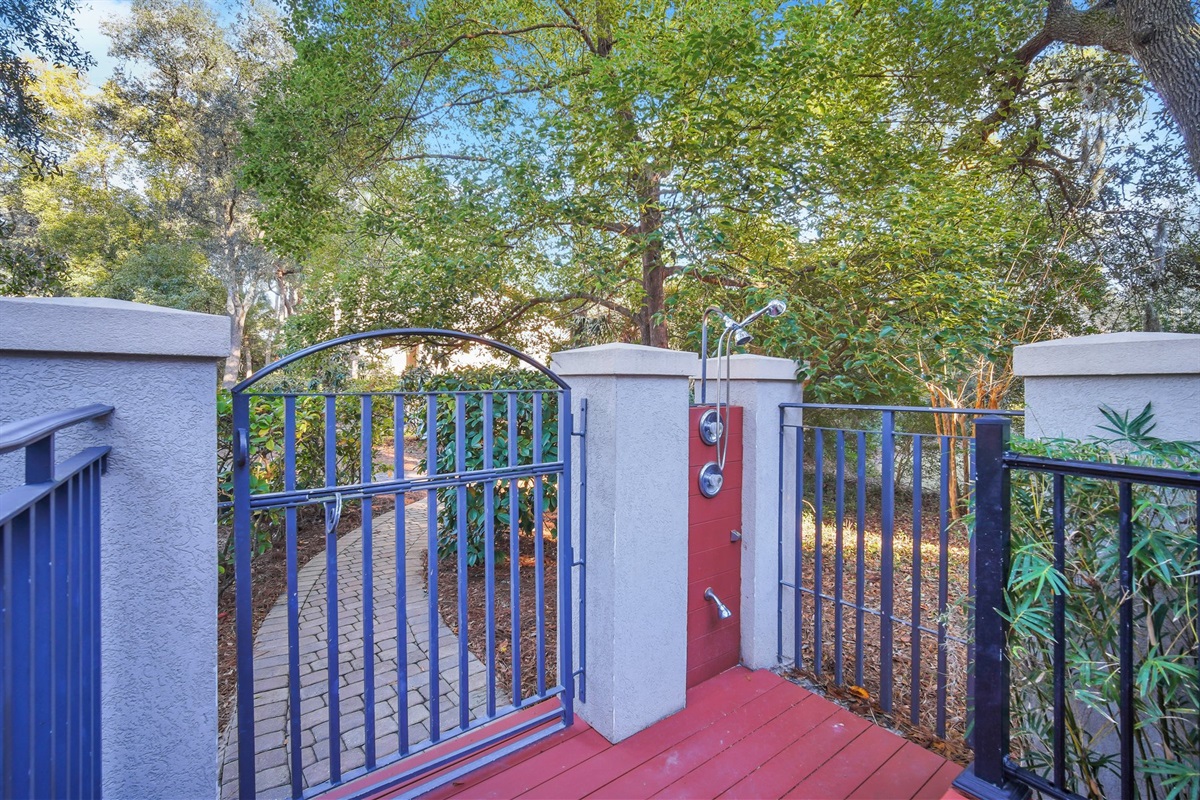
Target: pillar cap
{"x": 100, "y": 325}
{"x": 750, "y": 367}
{"x": 1135, "y": 353}
{"x": 624, "y": 359}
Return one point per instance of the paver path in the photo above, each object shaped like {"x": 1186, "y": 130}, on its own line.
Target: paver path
{"x": 271, "y": 663}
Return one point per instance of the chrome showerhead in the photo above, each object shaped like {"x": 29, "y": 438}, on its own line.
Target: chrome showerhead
{"x": 739, "y": 334}
{"x": 771, "y": 309}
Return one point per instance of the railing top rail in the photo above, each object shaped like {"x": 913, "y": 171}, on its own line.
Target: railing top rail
{"x": 979, "y": 412}
{"x": 1126, "y": 473}
{"x": 411, "y": 333}
{"x": 22, "y": 433}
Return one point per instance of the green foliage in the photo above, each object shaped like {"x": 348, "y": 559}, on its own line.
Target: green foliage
{"x": 267, "y": 453}
{"x": 30, "y": 269}
{"x": 470, "y": 388}
{"x": 1165, "y": 565}
{"x": 43, "y": 29}
{"x": 559, "y": 158}
{"x": 173, "y": 275}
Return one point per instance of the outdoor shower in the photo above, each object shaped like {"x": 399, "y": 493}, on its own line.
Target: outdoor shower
{"x": 712, "y": 425}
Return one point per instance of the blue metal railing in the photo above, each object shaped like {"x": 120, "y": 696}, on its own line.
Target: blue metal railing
{"x": 881, "y": 590}
{"x": 994, "y": 774}
{"x": 50, "y": 620}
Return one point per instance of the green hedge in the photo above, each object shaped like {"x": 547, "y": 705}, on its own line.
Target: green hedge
{"x": 475, "y": 383}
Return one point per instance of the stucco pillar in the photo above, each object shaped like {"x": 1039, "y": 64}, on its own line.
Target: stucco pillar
{"x": 158, "y": 553}
{"x": 1067, "y": 380}
{"x": 759, "y": 384}
{"x": 637, "y": 450}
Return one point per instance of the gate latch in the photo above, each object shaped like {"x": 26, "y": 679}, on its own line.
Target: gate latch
{"x": 333, "y": 513}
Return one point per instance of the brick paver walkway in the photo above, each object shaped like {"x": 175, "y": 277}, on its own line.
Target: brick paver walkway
{"x": 271, "y": 664}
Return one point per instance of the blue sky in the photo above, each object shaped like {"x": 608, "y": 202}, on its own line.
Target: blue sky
{"x": 93, "y": 40}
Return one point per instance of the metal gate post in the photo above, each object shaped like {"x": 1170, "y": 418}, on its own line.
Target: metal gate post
{"x": 985, "y": 778}
{"x": 243, "y": 549}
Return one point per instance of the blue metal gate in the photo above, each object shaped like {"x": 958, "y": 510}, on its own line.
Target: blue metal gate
{"x": 371, "y": 691}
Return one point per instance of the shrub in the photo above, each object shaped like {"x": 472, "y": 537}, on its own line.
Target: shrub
{"x": 1165, "y": 565}
{"x": 267, "y": 448}
{"x": 473, "y": 384}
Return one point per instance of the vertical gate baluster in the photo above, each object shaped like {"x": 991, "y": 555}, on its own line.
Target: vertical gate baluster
{"x": 1060, "y": 643}
{"x": 293, "y": 598}
{"x": 401, "y": 578}
{"x": 435, "y": 638}
{"x": 1127, "y": 716}
{"x": 489, "y": 548}
{"x": 331, "y": 597}
{"x": 461, "y": 545}
{"x": 914, "y": 688}
{"x": 818, "y": 549}
{"x": 565, "y": 556}
{"x": 243, "y": 546}
{"x": 539, "y": 545}
{"x": 514, "y": 550}
{"x": 886, "y": 577}
{"x": 943, "y": 581}
{"x": 368, "y": 588}
{"x": 860, "y": 545}
{"x": 839, "y": 563}
{"x": 798, "y": 555}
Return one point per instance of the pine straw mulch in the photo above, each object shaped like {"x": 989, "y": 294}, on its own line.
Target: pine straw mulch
{"x": 527, "y": 606}
{"x": 865, "y": 699}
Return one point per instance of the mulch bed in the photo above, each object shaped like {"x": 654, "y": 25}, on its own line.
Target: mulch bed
{"x": 477, "y": 611}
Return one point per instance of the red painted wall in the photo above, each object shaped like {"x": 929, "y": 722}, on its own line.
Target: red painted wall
{"x": 713, "y": 560}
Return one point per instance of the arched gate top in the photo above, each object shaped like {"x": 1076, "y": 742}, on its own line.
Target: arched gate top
{"x": 400, "y": 332}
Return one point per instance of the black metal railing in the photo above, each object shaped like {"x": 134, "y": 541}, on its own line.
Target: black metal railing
{"x": 50, "y": 620}
{"x": 880, "y": 557}
{"x": 995, "y": 773}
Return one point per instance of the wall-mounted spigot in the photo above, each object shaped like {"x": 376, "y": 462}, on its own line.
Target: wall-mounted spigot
{"x": 723, "y": 611}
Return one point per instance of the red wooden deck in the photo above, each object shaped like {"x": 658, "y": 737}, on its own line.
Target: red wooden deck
{"x": 743, "y": 735}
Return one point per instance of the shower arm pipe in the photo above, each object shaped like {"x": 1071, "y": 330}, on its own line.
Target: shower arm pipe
{"x": 704, "y": 351}
{"x": 725, "y": 340}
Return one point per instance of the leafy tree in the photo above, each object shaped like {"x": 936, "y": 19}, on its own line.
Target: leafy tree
{"x": 180, "y": 113}
{"x": 1161, "y": 36}
{"x": 44, "y": 30}
{"x": 174, "y": 274}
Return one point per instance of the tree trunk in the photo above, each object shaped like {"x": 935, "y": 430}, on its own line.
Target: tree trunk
{"x": 652, "y": 317}
{"x": 237, "y": 314}
{"x": 1162, "y": 36}
{"x": 1165, "y": 42}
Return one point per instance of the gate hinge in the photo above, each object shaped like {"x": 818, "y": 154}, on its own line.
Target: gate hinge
{"x": 583, "y": 405}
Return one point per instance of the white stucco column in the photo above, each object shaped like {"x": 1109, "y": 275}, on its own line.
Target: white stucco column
{"x": 759, "y": 384}
{"x": 637, "y": 519}
{"x": 158, "y": 551}
{"x": 1067, "y": 380}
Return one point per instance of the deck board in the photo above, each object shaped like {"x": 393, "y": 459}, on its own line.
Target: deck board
{"x": 850, "y": 768}
{"x": 743, "y": 734}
